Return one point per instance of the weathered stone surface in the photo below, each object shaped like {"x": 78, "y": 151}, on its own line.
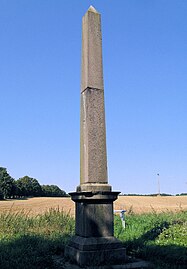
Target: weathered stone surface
{"x": 94, "y": 213}
{"x": 94, "y": 242}
{"x": 92, "y": 220}
{"x": 93, "y": 162}
{"x": 93, "y": 197}
{"x": 93, "y": 157}
{"x": 92, "y": 69}
{"x": 94, "y": 187}
{"x": 131, "y": 265}
{"x": 96, "y": 257}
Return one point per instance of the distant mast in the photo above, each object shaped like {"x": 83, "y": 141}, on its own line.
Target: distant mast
{"x": 158, "y": 177}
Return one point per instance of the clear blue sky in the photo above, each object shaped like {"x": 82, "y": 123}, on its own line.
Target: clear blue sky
{"x": 145, "y": 76}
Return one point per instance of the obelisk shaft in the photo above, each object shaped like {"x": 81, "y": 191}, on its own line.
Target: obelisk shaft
{"x": 93, "y": 157}
{"x": 92, "y": 67}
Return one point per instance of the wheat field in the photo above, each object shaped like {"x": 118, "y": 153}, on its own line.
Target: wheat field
{"x": 137, "y": 204}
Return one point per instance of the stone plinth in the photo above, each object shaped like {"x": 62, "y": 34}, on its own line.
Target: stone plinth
{"x": 94, "y": 243}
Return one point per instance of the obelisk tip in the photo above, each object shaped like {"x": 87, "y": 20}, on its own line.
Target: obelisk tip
{"x": 92, "y": 9}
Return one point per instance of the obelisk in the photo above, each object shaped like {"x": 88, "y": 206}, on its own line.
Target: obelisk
{"x": 94, "y": 242}
{"x": 93, "y": 157}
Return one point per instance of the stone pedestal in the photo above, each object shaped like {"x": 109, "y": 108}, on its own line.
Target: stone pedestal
{"x": 94, "y": 243}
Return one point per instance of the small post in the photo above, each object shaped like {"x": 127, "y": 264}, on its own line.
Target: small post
{"x": 122, "y": 216}
{"x": 158, "y": 184}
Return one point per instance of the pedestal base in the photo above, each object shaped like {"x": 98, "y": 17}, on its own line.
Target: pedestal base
{"x": 94, "y": 243}
{"x": 95, "y": 251}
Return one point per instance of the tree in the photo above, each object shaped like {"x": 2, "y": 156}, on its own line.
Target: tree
{"x": 53, "y": 191}
{"x": 7, "y": 183}
{"x": 1, "y": 194}
{"x": 27, "y": 186}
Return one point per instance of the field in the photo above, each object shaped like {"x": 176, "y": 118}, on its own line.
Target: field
{"x": 137, "y": 204}
{"x": 34, "y": 232}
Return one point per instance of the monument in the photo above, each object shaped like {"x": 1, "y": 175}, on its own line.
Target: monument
{"x": 94, "y": 242}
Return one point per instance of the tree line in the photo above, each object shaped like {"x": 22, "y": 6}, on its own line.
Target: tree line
{"x": 154, "y": 194}
{"x": 25, "y": 187}
{"x": 151, "y": 194}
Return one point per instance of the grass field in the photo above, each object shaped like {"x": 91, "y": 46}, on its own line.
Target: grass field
{"x": 159, "y": 238}
{"x": 33, "y": 234}
{"x": 139, "y": 204}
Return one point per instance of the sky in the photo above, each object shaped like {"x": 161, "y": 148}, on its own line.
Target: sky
{"x": 145, "y": 82}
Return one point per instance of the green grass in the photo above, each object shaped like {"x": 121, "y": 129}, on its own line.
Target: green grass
{"x": 33, "y": 242}
{"x": 160, "y": 238}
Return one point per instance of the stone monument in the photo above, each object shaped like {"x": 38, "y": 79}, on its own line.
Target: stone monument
{"x": 94, "y": 242}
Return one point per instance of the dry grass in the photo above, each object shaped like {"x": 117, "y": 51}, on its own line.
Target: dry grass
{"x": 137, "y": 204}
{"x": 145, "y": 204}
{"x": 35, "y": 206}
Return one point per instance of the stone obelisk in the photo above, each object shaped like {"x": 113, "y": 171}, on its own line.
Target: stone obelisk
{"x": 94, "y": 242}
{"x": 93, "y": 157}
